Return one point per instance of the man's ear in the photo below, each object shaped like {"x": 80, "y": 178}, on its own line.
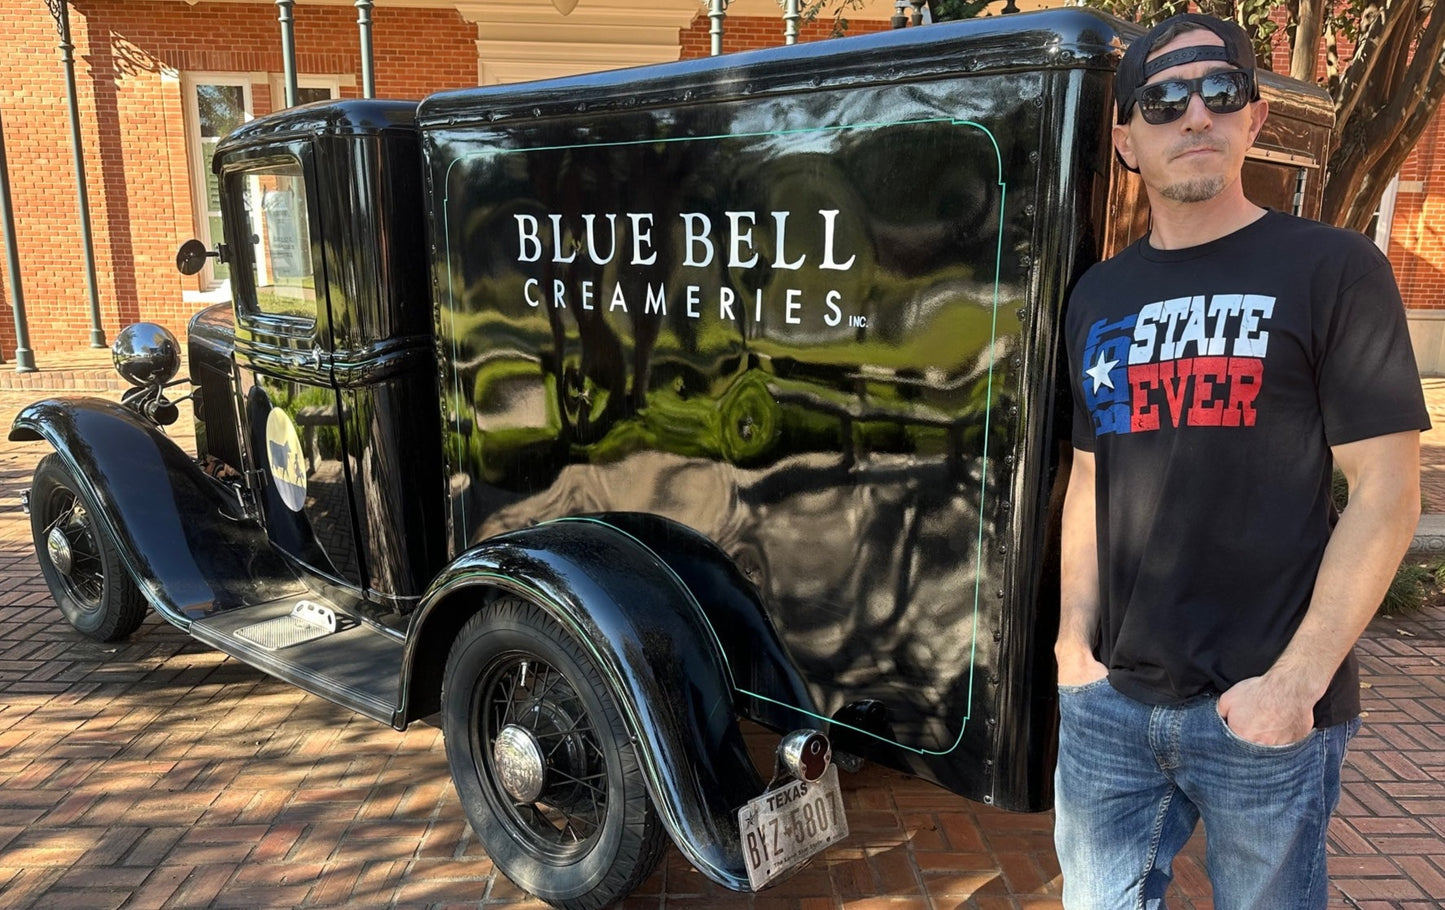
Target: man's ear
{"x": 1258, "y": 111}
{"x": 1123, "y": 147}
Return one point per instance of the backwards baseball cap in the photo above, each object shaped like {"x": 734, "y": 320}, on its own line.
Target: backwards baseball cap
{"x": 1135, "y": 68}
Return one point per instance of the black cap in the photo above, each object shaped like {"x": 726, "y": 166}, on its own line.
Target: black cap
{"x": 1133, "y": 71}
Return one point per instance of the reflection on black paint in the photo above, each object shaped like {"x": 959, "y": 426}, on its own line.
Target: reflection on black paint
{"x": 836, "y": 454}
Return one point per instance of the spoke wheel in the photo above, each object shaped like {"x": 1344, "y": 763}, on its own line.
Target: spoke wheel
{"x": 547, "y": 773}
{"x": 78, "y": 559}
{"x": 524, "y": 696}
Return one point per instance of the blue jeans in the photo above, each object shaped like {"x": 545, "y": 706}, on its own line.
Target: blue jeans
{"x": 1133, "y": 779}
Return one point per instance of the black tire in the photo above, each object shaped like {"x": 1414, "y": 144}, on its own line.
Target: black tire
{"x": 93, "y": 589}
{"x": 591, "y": 835}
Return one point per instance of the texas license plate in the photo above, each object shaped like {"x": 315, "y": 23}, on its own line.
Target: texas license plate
{"x": 784, "y": 827}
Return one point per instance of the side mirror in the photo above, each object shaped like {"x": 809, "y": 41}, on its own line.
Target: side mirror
{"x": 192, "y": 256}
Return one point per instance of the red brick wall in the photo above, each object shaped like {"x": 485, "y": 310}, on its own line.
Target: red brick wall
{"x": 1417, "y": 232}
{"x": 129, "y": 57}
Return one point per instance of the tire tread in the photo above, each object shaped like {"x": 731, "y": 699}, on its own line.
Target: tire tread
{"x": 645, "y": 838}
{"x": 123, "y": 607}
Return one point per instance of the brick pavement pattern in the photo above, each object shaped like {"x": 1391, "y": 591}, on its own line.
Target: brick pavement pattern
{"x": 158, "y": 774}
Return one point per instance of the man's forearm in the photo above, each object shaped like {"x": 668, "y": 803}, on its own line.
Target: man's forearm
{"x": 1079, "y": 570}
{"x": 1365, "y": 549}
{"x": 1360, "y": 559}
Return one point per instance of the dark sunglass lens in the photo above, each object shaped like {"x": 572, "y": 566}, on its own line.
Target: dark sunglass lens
{"x": 1224, "y": 93}
{"x": 1162, "y": 102}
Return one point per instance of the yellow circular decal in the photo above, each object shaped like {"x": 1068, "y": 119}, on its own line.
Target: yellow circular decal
{"x": 283, "y": 453}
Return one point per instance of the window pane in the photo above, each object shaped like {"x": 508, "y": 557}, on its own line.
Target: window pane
{"x": 219, "y": 109}
{"x": 222, "y": 108}
{"x": 308, "y": 95}
{"x": 220, "y": 270}
{"x": 278, "y": 255}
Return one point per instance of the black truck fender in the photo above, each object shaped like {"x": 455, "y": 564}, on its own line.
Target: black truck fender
{"x": 184, "y": 538}
{"x": 767, "y": 686}
{"x": 654, "y": 646}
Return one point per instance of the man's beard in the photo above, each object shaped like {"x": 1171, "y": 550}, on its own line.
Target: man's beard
{"x": 1200, "y": 189}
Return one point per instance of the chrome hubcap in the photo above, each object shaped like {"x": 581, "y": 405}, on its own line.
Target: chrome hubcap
{"x": 57, "y": 546}
{"x": 520, "y": 766}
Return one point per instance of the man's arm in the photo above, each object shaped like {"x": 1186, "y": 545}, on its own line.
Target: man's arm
{"x": 1364, "y": 551}
{"x": 1079, "y": 588}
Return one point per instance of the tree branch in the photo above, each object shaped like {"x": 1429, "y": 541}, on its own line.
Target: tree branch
{"x": 1372, "y": 147}
{"x": 1378, "y": 29}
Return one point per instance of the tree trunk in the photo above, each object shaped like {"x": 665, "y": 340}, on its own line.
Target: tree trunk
{"x": 1305, "y": 51}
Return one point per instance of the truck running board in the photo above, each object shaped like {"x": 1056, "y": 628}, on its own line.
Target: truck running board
{"x": 313, "y": 644}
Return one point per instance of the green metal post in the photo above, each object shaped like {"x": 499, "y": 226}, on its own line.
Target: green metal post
{"x": 60, "y": 9}
{"x": 717, "y": 11}
{"x": 363, "y": 22}
{"x": 24, "y": 357}
{"x": 288, "y": 49}
{"x": 791, "y": 15}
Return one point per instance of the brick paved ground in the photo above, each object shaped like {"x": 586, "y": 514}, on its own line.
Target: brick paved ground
{"x": 158, "y": 774}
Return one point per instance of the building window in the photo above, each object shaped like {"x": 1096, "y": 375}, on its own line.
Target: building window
{"x": 215, "y": 105}
{"x": 308, "y": 89}
{"x": 1379, "y": 228}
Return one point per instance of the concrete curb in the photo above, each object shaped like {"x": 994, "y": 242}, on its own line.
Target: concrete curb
{"x": 1429, "y": 536}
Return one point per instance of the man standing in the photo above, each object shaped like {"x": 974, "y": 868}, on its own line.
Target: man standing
{"x": 1211, "y": 596}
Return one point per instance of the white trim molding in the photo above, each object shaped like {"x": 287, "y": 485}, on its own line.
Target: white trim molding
{"x": 1427, "y": 337}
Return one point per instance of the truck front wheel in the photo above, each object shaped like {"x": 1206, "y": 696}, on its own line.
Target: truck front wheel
{"x": 78, "y": 559}
{"x": 547, "y": 773}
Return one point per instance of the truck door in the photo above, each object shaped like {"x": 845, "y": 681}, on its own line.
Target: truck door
{"x": 293, "y": 430}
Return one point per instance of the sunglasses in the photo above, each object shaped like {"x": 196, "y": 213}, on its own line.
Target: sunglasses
{"x": 1222, "y": 93}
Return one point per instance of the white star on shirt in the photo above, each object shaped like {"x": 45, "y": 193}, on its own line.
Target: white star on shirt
{"x": 1099, "y": 372}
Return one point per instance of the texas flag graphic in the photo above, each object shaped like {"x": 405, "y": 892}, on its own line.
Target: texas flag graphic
{"x": 1187, "y": 361}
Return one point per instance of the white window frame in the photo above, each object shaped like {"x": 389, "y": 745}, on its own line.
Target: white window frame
{"x": 195, "y": 160}
{"x": 278, "y": 87}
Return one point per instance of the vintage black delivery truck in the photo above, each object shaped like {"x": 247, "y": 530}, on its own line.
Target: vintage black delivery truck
{"x": 597, "y": 415}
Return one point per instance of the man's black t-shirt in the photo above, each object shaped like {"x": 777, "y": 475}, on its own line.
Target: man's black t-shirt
{"x": 1210, "y": 383}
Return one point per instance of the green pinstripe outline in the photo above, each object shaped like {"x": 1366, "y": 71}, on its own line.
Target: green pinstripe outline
{"x": 987, "y": 417}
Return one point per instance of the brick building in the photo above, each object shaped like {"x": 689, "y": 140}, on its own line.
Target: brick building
{"x": 159, "y": 81}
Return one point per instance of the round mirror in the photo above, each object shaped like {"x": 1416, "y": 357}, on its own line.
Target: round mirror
{"x": 191, "y": 257}
{"x": 146, "y": 354}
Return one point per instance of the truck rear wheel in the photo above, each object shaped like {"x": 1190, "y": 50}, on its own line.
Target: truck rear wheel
{"x": 546, "y": 770}
{"x": 78, "y": 559}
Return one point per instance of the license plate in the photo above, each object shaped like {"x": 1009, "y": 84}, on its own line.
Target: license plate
{"x": 784, "y": 827}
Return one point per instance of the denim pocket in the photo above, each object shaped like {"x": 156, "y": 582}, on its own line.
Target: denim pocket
{"x": 1261, "y": 748}
{"x": 1086, "y": 687}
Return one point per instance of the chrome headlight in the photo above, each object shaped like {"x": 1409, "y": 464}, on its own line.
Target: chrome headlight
{"x": 146, "y": 354}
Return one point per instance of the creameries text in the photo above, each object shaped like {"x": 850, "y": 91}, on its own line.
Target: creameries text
{"x": 805, "y": 241}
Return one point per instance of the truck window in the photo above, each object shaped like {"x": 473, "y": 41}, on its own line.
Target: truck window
{"x": 1274, "y": 184}
{"x": 277, "y": 278}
